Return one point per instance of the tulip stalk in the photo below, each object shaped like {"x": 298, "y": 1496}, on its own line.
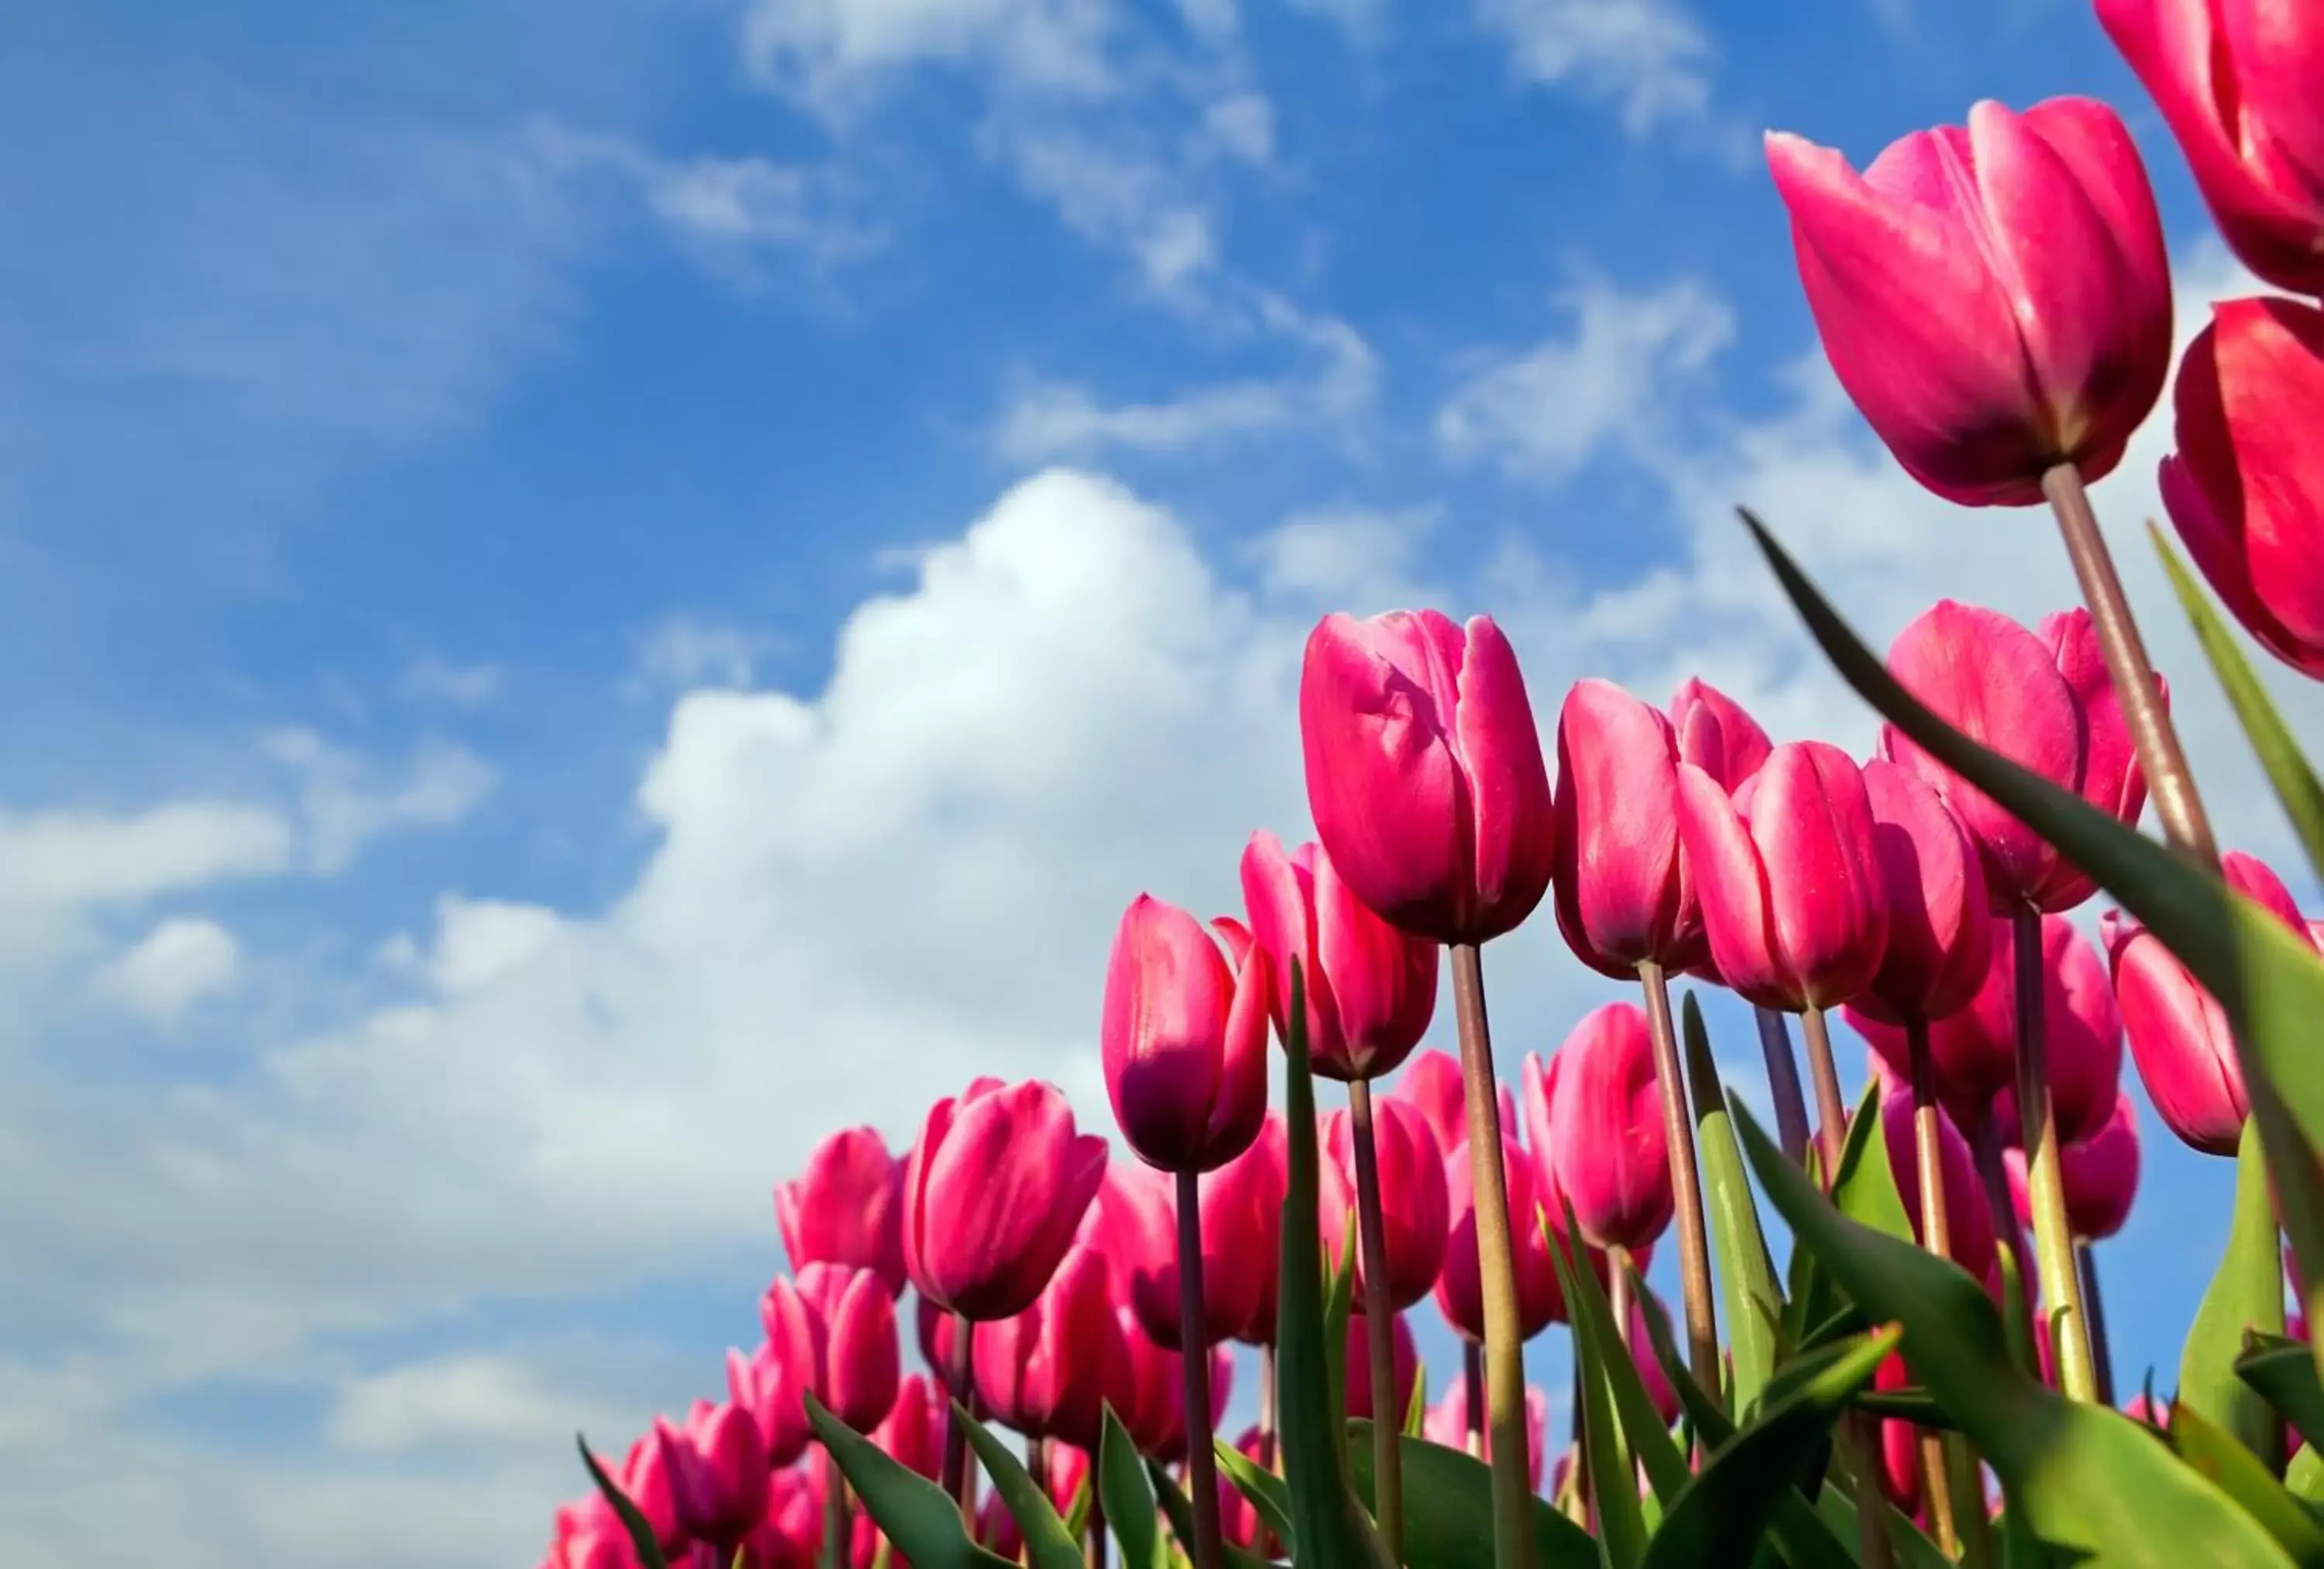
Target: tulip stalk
{"x": 1936, "y": 1236}
{"x": 1201, "y": 1464}
{"x": 2053, "y": 1241}
{"x": 1505, "y": 1403}
{"x": 1783, "y": 1084}
{"x": 1686, "y": 1189}
{"x": 2094, "y": 1305}
{"x": 836, "y": 1534}
{"x": 1831, "y": 1111}
{"x": 1380, "y": 1327}
{"x": 959, "y": 1481}
{"x": 1472, "y": 1388}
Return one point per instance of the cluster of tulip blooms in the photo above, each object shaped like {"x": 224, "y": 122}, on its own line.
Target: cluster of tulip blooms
{"x": 1996, "y": 300}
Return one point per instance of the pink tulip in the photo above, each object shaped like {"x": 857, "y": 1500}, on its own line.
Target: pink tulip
{"x": 846, "y": 1207}
{"x": 1792, "y": 896}
{"x": 1371, "y": 989}
{"x": 789, "y": 1535}
{"x": 649, "y": 1476}
{"x": 2179, "y": 1034}
{"x": 1900, "y": 1442}
{"x": 1447, "y": 1423}
{"x": 1414, "y": 1210}
{"x": 1606, "y": 1143}
{"x": 992, "y": 1194}
{"x": 1939, "y": 948}
{"x": 1068, "y": 1471}
{"x": 720, "y": 1488}
{"x": 1995, "y": 299}
{"x": 1138, "y": 1215}
{"x": 1459, "y": 1287}
{"x": 938, "y": 1338}
{"x": 589, "y": 1534}
{"x": 1044, "y": 1371}
{"x": 1650, "y": 1368}
{"x": 2100, "y": 1174}
{"x": 2154, "y": 1413}
{"x": 1432, "y": 1086}
{"x": 1969, "y": 1219}
{"x": 2246, "y": 489}
{"x": 1404, "y": 1359}
{"x": 1623, "y": 894}
{"x": 1237, "y": 1518}
{"x": 769, "y": 1383}
{"x": 1147, "y": 1390}
{"x": 2236, "y": 80}
{"x": 1242, "y": 1206}
{"x": 2042, "y": 700}
{"x": 1425, "y": 772}
{"x": 912, "y": 1433}
{"x": 1716, "y": 735}
{"x": 853, "y": 1321}
{"x": 1185, "y": 1038}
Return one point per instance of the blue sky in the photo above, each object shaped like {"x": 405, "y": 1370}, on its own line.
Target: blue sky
{"x": 587, "y": 593}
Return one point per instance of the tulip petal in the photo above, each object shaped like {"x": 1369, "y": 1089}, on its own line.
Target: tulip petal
{"x": 1733, "y": 888}
{"x": 1619, "y": 892}
{"x": 1506, "y": 794}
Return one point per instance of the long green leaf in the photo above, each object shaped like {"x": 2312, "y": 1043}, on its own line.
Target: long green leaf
{"x": 1605, "y": 1444}
{"x": 1128, "y": 1497}
{"x": 1047, "y": 1543}
{"x": 633, "y": 1520}
{"x": 2217, "y": 1454}
{"x": 1747, "y": 1274}
{"x": 1448, "y": 1519}
{"x": 1603, "y": 1347}
{"x": 2284, "y": 1373}
{"x": 1262, "y": 1487}
{"x": 2304, "y": 1479}
{"x": 1181, "y": 1516}
{"x": 911, "y": 1512}
{"x": 2245, "y": 1294}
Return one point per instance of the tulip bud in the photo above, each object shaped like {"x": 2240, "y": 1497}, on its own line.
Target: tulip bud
{"x": 1792, "y": 896}
{"x": 993, "y": 1193}
{"x": 1425, "y": 772}
{"x": 1147, "y": 1390}
{"x": 2100, "y": 1174}
{"x": 790, "y": 1533}
{"x": 1404, "y": 1360}
{"x": 648, "y": 1476}
{"x": 1650, "y": 1367}
{"x": 769, "y": 1383}
{"x": 1185, "y": 1040}
{"x": 2238, "y": 84}
{"x": 854, "y": 1325}
{"x": 1900, "y": 1442}
{"x": 1716, "y": 735}
{"x": 937, "y": 1339}
{"x": 1607, "y": 1144}
{"x": 912, "y": 1433}
{"x": 1968, "y": 1220}
{"x": 1371, "y": 989}
{"x": 1459, "y": 1287}
{"x": 1414, "y": 1205}
{"x": 846, "y": 1207}
{"x": 1623, "y": 895}
{"x": 1994, "y": 298}
{"x": 719, "y": 1488}
{"x": 2246, "y": 489}
{"x": 1939, "y": 949}
{"x": 1447, "y": 1423}
{"x": 1432, "y": 1086}
{"x": 1137, "y": 1230}
{"x": 1043, "y": 1372}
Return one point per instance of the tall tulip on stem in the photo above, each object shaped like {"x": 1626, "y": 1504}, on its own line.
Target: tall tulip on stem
{"x": 1426, "y": 783}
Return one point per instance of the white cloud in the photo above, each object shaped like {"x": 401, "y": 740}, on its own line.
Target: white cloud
{"x": 1352, "y": 557}
{"x": 1244, "y": 125}
{"x": 432, "y": 679}
{"x": 343, "y": 810}
{"x": 835, "y": 54}
{"x": 1649, "y": 57}
{"x": 464, "y": 1401}
{"x": 70, "y": 859}
{"x": 180, "y": 962}
{"x": 1113, "y": 195}
{"x": 683, "y": 653}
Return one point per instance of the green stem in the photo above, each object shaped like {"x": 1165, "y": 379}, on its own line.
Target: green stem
{"x": 1379, "y": 1324}
{"x": 1201, "y": 1464}
{"x": 1831, "y": 1111}
{"x": 1783, "y": 1084}
{"x": 1686, "y": 1186}
{"x": 2045, "y": 1186}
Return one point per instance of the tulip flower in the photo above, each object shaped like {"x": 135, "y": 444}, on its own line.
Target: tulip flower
{"x": 1900, "y": 1442}
{"x": 1414, "y": 1207}
{"x": 846, "y": 1207}
{"x": 1425, "y": 772}
{"x": 2178, "y": 1034}
{"x": 1237, "y": 1517}
{"x": 1044, "y": 1371}
{"x": 1406, "y": 1363}
{"x": 2246, "y": 489}
{"x": 769, "y": 1383}
{"x": 853, "y": 1322}
{"x": 790, "y": 1536}
{"x": 1969, "y": 1217}
{"x": 1447, "y": 1423}
{"x": 1183, "y": 1039}
{"x": 1939, "y": 947}
{"x": 1459, "y": 1290}
{"x": 1432, "y": 1087}
{"x": 1067, "y": 1472}
{"x": 1147, "y": 1390}
{"x": 1995, "y": 297}
{"x": 1716, "y": 735}
{"x": 1137, "y": 1230}
{"x": 649, "y": 1476}
{"x": 1606, "y": 1139}
{"x": 994, "y": 1192}
{"x": 912, "y": 1433}
{"x": 719, "y": 1489}
{"x": 1371, "y": 989}
{"x": 2101, "y": 1174}
{"x": 2237, "y": 81}
{"x": 1623, "y": 895}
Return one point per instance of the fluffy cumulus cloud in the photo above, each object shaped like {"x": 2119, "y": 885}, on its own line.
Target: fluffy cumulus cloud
{"x": 178, "y": 963}
{"x": 1650, "y": 57}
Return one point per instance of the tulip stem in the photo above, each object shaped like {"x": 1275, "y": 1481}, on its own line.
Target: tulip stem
{"x": 1263, "y": 1545}
{"x": 1783, "y": 1084}
{"x": 959, "y": 1481}
{"x": 1831, "y": 1111}
{"x": 1505, "y": 1401}
{"x": 1473, "y": 1383}
{"x": 1201, "y": 1464}
{"x": 1578, "y": 1495}
{"x": 1094, "y": 1557}
{"x": 2169, "y": 780}
{"x": 836, "y": 1536}
{"x": 2054, "y": 1240}
{"x": 1379, "y": 1322}
{"x": 2094, "y": 1307}
{"x": 1686, "y": 1186}
{"x": 1936, "y": 1236}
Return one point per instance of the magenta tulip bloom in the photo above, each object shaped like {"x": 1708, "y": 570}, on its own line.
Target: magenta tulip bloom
{"x": 1459, "y": 1287}
{"x": 1792, "y": 894}
{"x": 1425, "y": 772}
{"x": 2098, "y": 1173}
{"x": 912, "y": 1433}
{"x": 1185, "y": 1038}
{"x": 2042, "y": 700}
{"x": 1044, "y": 1372}
{"x": 1147, "y": 1390}
{"x": 1716, "y": 735}
{"x": 1969, "y": 1219}
{"x": 1237, "y": 1519}
{"x": 1138, "y": 1217}
{"x": 1447, "y": 1423}
{"x": 2179, "y": 1034}
{"x": 1623, "y": 897}
{"x": 1414, "y": 1205}
{"x": 1607, "y": 1142}
{"x": 2236, "y": 80}
{"x": 854, "y": 1323}
{"x": 846, "y": 1207}
{"x": 1371, "y": 989}
{"x": 2246, "y": 489}
{"x": 1404, "y": 1362}
{"x": 1995, "y": 299}
{"x": 1939, "y": 950}
{"x": 649, "y": 1476}
{"x": 1242, "y": 1206}
{"x": 769, "y": 1383}
{"x": 720, "y": 1488}
{"x": 993, "y": 1193}
{"x": 1432, "y": 1086}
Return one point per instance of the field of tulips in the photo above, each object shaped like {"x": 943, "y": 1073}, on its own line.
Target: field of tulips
{"x": 1926, "y": 1377}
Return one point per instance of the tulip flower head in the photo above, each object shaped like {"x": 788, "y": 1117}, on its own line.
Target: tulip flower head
{"x": 1433, "y": 1086}
{"x": 1446, "y": 1422}
{"x": 1623, "y": 897}
{"x": 1415, "y": 1208}
{"x": 1608, "y": 1145}
{"x": 1136, "y": 1215}
{"x": 1147, "y": 1390}
{"x": 2100, "y": 1174}
{"x": 1425, "y": 772}
{"x": 912, "y": 1433}
{"x": 1459, "y": 1287}
{"x": 1995, "y": 297}
{"x": 1404, "y": 1363}
{"x": 719, "y": 1486}
{"x": 1968, "y": 1218}
{"x": 1371, "y": 989}
{"x": 1716, "y": 735}
{"x": 1184, "y": 1038}
{"x": 1044, "y": 1372}
{"x": 846, "y": 1207}
{"x": 1939, "y": 945}
{"x": 852, "y": 1321}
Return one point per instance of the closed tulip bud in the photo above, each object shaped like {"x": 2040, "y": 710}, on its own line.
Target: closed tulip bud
{"x": 2246, "y": 489}
{"x": 1433, "y": 1086}
{"x": 601, "y": 1544}
{"x": 1792, "y": 896}
{"x": 1606, "y": 1143}
{"x": 1242, "y": 1206}
{"x": 1995, "y": 297}
{"x": 1185, "y": 1038}
{"x": 1447, "y": 1423}
{"x": 936, "y": 1336}
{"x": 2154, "y": 1413}
{"x": 912, "y": 1433}
{"x": 846, "y": 1207}
{"x": 1968, "y": 1216}
{"x": 1404, "y": 1360}
{"x": 854, "y": 1322}
{"x": 1414, "y": 1210}
{"x": 2100, "y": 1174}
{"x": 1137, "y": 1228}
{"x": 1938, "y": 945}
{"x": 769, "y": 1383}
{"x": 649, "y": 1476}
{"x": 2178, "y": 1034}
{"x": 720, "y": 1490}
{"x": 1459, "y": 1287}
{"x": 993, "y": 1193}
{"x": 1147, "y": 1390}
{"x": 1716, "y": 735}
{"x": 1425, "y": 772}
{"x": 790, "y": 1536}
{"x": 2236, "y": 80}
{"x": 1900, "y": 1442}
{"x": 1371, "y": 989}
{"x": 1623, "y": 897}
{"x": 1043, "y": 1372}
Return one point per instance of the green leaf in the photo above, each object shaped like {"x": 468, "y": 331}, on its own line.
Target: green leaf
{"x": 1416, "y": 1409}
{"x": 1907, "y": 1405}
{"x": 1719, "y": 1520}
{"x": 911, "y": 1512}
{"x": 1448, "y": 1509}
{"x": 1866, "y": 1191}
{"x": 1128, "y": 1494}
{"x": 1339, "y": 1308}
{"x": 1048, "y": 1543}
{"x": 1181, "y": 1516}
{"x": 633, "y": 1520}
{"x": 1613, "y": 1476}
{"x": 1835, "y": 1512}
{"x": 2304, "y": 1479}
{"x": 2218, "y": 1455}
{"x": 1262, "y": 1487}
{"x": 1602, "y": 1347}
{"x": 2245, "y": 1294}
{"x": 2284, "y": 1372}
{"x": 1747, "y": 1274}
{"x": 2016, "y": 1312}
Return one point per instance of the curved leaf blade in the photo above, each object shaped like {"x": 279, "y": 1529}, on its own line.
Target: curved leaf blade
{"x": 1260, "y": 1486}
{"x": 1128, "y": 1494}
{"x": 2246, "y": 1293}
{"x": 2217, "y": 1454}
{"x": 1048, "y": 1543}
{"x": 642, "y": 1540}
{"x": 1746, "y": 1271}
{"x": 911, "y": 1512}
{"x": 1448, "y": 1521}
